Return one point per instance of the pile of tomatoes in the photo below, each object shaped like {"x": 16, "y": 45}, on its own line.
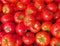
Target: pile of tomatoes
{"x": 29, "y": 22}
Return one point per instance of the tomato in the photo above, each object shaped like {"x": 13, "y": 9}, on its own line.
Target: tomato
{"x": 7, "y": 18}
{"x": 25, "y": 1}
{"x": 57, "y": 15}
{"x": 39, "y": 5}
{"x": 28, "y": 19}
{"x": 30, "y": 10}
{"x": 46, "y": 26}
{"x": 9, "y": 27}
{"x": 4, "y": 1}
{"x": 48, "y": 1}
{"x": 18, "y": 17}
{"x": 7, "y": 40}
{"x": 58, "y": 6}
{"x": 55, "y": 30}
{"x": 52, "y": 7}
{"x": 58, "y": 20}
{"x": 47, "y": 15}
{"x": 28, "y": 38}
{"x": 6, "y": 9}
{"x": 1, "y": 6}
{"x": 21, "y": 6}
{"x": 21, "y": 29}
{"x": 18, "y": 40}
{"x": 42, "y": 38}
{"x": 1, "y": 35}
{"x": 55, "y": 42}
{"x": 35, "y": 27}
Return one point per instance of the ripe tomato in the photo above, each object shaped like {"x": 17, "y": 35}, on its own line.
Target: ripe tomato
{"x": 57, "y": 15}
{"x": 55, "y": 42}
{"x": 6, "y": 9}
{"x": 1, "y": 35}
{"x": 6, "y": 18}
{"x": 48, "y": 1}
{"x": 9, "y": 27}
{"x": 20, "y": 6}
{"x": 21, "y": 29}
{"x": 47, "y": 15}
{"x": 55, "y": 30}
{"x": 18, "y": 40}
{"x": 4, "y": 1}
{"x": 28, "y": 20}
{"x": 1, "y": 6}
{"x": 52, "y": 7}
{"x": 19, "y": 16}
{"x": 30, "y": 10}
{"x": 7, "y": 40}
{"x": 46, "y": 26}
{"x": 26, "y": 2}
{"x": 28, "y": 38}
{"x": 58, "y": 20}
{"x": 35, "y": 27}
{"x": 39, "y": 5}
{"x": 42, "y": 38}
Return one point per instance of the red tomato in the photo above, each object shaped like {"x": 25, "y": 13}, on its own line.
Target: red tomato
{"x": 57, "y": 15}
{"x": 48, "y": 1}
{"x": 28, "y": 38}
{"x": 30, "y": 10}
{"x": 42, "y": 38}
{"x": 25, "y": 1}
{"x": 35, "y": 27}
{"x": 52, "y": 7}
{"x": 47, "y": 15}
{"x": 19, "y": 16}
{"x": 1, "y": 35}
{"x": 18, "y": 40}
{"x": 6, "y": 9}
{"x": 39, "y": 5}
{"x": 55, "y": 30}
{"x": 9, "y": 27}
{"x": 7, "y": 18}
{"x": 21, "y": 6}
{"x": 1, "y": 6}
{"x": 28, "y": 20}
{"x": 7, "y": 40}
{"x": 46, "y": 26}
{"x": 58, "y": 20}
{"x": 4, "y": 1}
{"x": 21, "y": 29}
{"x": 55, "y": 42}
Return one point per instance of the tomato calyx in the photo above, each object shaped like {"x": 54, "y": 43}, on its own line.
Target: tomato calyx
{"x": 21, "y": 16}
{"x": 7, "y": 28}
{"x": 46, "y": 28}
{"x": 26, "y": 19}
{"x": 29, "y": 11}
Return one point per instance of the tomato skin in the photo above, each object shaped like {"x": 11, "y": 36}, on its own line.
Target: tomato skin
{"x": 46, "y": 26}
{"x": 58, "y": 20}
{"x": 19, "y": 16}
{"x": 52, "y": 7}
{"x": 28, "y": 20}
{"x": 6, "y": 18}
{"x": 31, "y": 10}
{"x": 26, "y": 2}
{"x": 28, "y": 38}
{"x": 35, "y": 27}
{"x": 21, "y": 29}
{"x": 55, "y": 42}
{"x": 48, "y": 1}
{"x": 1, "y": 35}
{"x": 55, "y": 30}
{"x": 57, "y": 15}
{"x": 58, "y": 6}
{"x": 20, "y": 6}
{"x": 39, "y": 5}
{"x": 7, "y": 40}
{"x": 6, "y": 9}
{"x": 9, "y": 27}
{"x": 57, "y": 0}
{"x": 42, "y": 38}
{"x": 18, "y": 40}
{"x": 46, "y": 15}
